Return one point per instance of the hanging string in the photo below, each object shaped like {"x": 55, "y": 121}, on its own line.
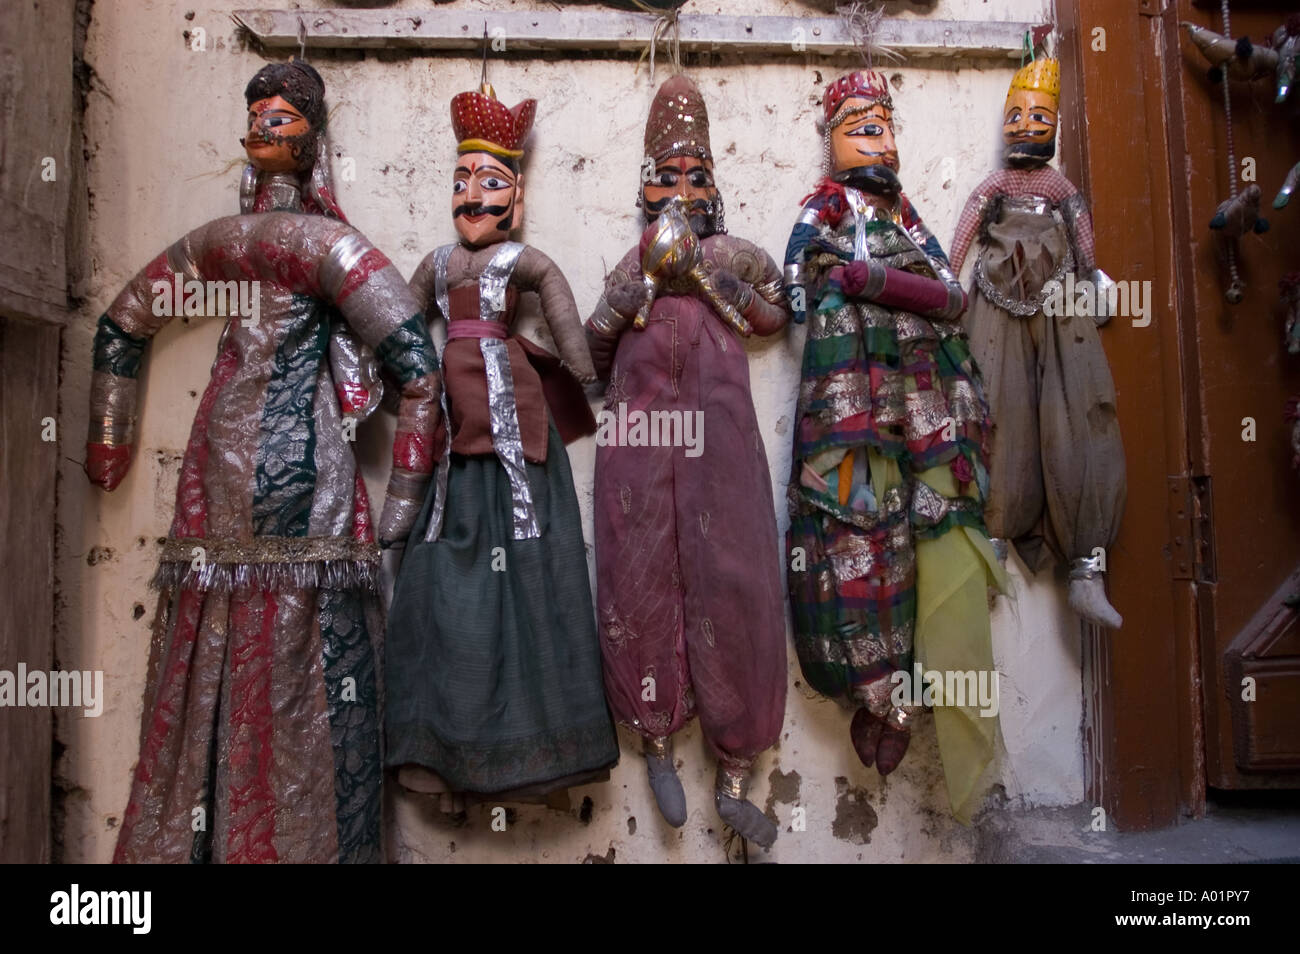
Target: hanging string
{"x": 1236, "y": 288}
{"x": 302, "y": 40}
{"x": 1026, "y": 49}
{"x": 861, "y": 22}
{"x": 667, "y": 26}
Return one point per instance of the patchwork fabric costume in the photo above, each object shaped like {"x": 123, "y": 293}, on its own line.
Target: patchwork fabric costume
{"x": 261, "y": 713}
{"x": 889, "y": 558}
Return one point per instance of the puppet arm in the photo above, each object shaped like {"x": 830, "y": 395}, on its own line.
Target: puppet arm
{"x": 969, "y": 222}
{"x": 940, "y": 297}
{"x": 138, "y": 312}
{"x": 624, "y": 293}
{"x": 385, "y": 314}
{"x": 753, "y": 287}
{"x": 536, "y": 271}
{"x": 797, "y": 274}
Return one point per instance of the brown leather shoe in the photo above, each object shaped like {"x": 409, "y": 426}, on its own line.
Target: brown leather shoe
{"x": 865, "y": 732}
{"x": 892, "y": 747}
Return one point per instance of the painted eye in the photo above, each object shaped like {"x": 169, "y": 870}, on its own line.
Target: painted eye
{"x": 869, "y": 129}
{"x": 1013, "y": 116}
{"x": 1041, "y": 118}
{"x": 667, "y": 179}
{"x": 492, "y": 183}
{"x": 279, "y": 120}
{"x": 701, "y": 180}
{"x": 459, "y": 186}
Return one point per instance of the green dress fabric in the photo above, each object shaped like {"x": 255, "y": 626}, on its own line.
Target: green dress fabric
{"x": 493, "y": 667}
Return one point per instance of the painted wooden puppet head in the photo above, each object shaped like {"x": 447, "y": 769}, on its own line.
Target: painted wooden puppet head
{"x": 678, "y": 158}
{"x": 1030, "y": 116}
{"x": 859, "y": 145}
{"x": 286, "y": 117}
{"x": 487, "y": 197}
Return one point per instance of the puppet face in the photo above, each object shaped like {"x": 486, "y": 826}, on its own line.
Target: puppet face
{"x": 865, "y": 138}
{"x": 1029, "y": 127}
{"x": 487, "y": 198}
{"x": 690, "y": 177}
{"x": 279, "y": 137}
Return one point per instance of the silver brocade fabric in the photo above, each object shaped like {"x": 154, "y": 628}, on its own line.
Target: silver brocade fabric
{"x": 438, "y": 511}
{"x": 282, "y": 252}
{"x": 507, "y": 440}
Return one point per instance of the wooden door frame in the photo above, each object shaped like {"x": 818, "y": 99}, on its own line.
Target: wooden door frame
{"x": 1143, "y": 724}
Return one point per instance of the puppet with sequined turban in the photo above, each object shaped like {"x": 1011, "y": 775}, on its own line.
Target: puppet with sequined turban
{"x": 687, "y": 560}
{"x": 493, "y": 667}
{"x": 1056, "y": 461}
{"x": 260, "y": 738}
{"x": 889, "y": 558}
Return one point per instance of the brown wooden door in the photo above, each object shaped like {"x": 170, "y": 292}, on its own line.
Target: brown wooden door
{"x": 1244, "y": 506}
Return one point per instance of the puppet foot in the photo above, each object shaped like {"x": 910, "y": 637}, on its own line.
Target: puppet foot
{"x": 1088, "y": 599}
{"x": 740, "y": 814}
{"x": 1088, "y": 593}
{"x": 865, "y": 733}
{"x": 895, "y": 735}
{"x": 665, "y": 784}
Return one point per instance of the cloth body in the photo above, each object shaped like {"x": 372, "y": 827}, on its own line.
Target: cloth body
{"x": 495, "y": 681}
{"x": 1057, "y": 481}
{"x": 260, "y": 735}
{"x": 688, "y": 563}
{"x": 886, "y": 535}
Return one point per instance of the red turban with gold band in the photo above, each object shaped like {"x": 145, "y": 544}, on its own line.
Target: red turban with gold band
{"x": 861, "y": 84}
{"x": 483, "y": 123}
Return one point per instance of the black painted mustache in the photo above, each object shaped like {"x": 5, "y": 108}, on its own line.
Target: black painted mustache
{"x": 472, "y": 209}
{"x": 877, "y": 179}
{"x": 1028, "y": 153}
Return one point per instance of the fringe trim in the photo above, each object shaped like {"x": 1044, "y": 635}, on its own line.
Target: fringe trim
{"x": 227, "y": 577}
{"x": 269, "y": 563}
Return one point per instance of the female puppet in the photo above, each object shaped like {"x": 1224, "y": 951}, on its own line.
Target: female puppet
{"x": 260, "y": 735}
{"x": 888, "y": 551}
{"x": 288, "y": 170}
{"x": 687, "y": 561}
{"x": 493, "y": 668}
{"x": 1057, "y": 463}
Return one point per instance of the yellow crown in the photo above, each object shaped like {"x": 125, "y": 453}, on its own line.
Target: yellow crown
{"x": 1043, "y": 76}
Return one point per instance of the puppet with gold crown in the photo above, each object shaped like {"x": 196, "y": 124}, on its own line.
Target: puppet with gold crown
{"x": 493, "y": 668}
{"x": 889, "y": 561}
{"x": 687, "y": 556}
{"x": 1056, "y": 460}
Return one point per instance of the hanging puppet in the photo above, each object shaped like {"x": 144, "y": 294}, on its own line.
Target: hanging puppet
{"x": 889, "y": 559}
{"x": 493, "y": 668}
{"x": 261, "y": 712}
{"x": 1057, "y": 463}
{"x": 687, "y": 563}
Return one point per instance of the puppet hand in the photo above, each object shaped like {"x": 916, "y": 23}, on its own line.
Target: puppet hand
{"x": 397, "y": 519}
{"x": 106, "y": 464}
{"x": 731, "y": 287}
{"x": 625, "y": 300}
{"x": 854, "y": 277}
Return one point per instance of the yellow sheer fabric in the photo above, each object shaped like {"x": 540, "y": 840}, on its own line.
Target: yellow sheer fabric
{"x": 953, "y": 635}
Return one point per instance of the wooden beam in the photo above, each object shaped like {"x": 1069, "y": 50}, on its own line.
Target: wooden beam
{"x": 613, "y": 31}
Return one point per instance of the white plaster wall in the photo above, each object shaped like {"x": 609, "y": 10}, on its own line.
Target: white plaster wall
{"x": 162, "y": 127}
